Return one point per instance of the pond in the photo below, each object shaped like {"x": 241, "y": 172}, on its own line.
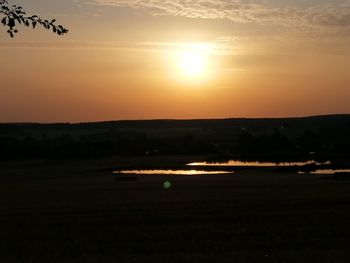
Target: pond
{"x": 170, "y": 172}
{"x": 256, "y": 164}
{"x": 327, "y": 171}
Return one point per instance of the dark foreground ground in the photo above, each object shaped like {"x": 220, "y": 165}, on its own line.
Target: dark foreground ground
{"x": 72, "y": 213}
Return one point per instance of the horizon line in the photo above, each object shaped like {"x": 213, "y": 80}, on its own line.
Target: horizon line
{"x": 174, "y": 119}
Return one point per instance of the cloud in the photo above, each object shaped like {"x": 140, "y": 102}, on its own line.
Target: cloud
{"x": 136, "y": 46}
{"x": 57, "y": 44}
{"x": 328, "y": 17}
{"x": 217, "y": 47}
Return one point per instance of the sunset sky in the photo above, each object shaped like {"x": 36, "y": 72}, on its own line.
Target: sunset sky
{"x": 179, "y": 59}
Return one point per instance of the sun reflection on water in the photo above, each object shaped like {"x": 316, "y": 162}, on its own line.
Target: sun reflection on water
{"x": 255, "y": 164}
{"x": 327, "y": 171}
{"x": 171, "y": 172}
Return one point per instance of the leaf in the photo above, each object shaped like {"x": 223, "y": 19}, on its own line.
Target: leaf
{"x": 15, "y": 15}
{"x": 11, "y": 23}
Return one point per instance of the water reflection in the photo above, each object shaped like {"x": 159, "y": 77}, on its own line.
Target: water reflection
{"x": 256, "y": 164}
{"x": 171, "y": 172}
{"x": 327, "y": 171}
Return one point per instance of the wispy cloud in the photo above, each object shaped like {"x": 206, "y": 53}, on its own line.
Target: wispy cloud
{"x": 328, "y": 17}
{"x": 59, "y": 44}
{"x": 218, "y": 47}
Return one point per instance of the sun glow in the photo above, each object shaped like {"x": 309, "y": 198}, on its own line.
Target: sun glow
{"x": 192, "y": 64}
{"x": 192, "y": 60}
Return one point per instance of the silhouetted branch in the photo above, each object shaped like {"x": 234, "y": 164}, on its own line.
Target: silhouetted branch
{"x": 14, "y": 15}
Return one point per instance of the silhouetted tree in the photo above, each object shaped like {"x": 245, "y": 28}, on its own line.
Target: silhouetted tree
{"x": 14, "y": 15}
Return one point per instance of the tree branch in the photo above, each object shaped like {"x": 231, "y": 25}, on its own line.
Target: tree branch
{"x": 14, "y": 15}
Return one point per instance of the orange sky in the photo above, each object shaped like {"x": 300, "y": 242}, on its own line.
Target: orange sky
{"x": 121, "y": 60}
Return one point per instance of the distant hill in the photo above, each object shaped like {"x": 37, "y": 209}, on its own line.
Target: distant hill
{"x": 324, "y": 137}
{"x": 334, "y": 121}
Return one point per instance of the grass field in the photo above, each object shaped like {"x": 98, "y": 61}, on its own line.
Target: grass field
{"x": 76, "y": 212}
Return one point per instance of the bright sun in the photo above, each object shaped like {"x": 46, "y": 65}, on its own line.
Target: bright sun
{"x": 192, "y": 61}
{"x": 192, "y": 64}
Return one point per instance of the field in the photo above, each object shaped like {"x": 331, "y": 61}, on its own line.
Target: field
{"x": 64, "y": 211}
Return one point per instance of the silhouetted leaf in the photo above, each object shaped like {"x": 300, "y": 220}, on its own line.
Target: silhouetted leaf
{"x": 16, "y": 13}
{"x": 11, "y": 22}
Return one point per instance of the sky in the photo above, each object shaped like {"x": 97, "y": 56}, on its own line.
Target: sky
{"x": 177, "y": 59}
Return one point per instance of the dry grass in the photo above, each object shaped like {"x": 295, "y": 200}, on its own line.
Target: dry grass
{"x": 69, "y": 213}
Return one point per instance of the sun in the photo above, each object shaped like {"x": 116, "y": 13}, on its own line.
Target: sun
{"x": 193, "y": 61}
{"x": 192, "y": 64}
